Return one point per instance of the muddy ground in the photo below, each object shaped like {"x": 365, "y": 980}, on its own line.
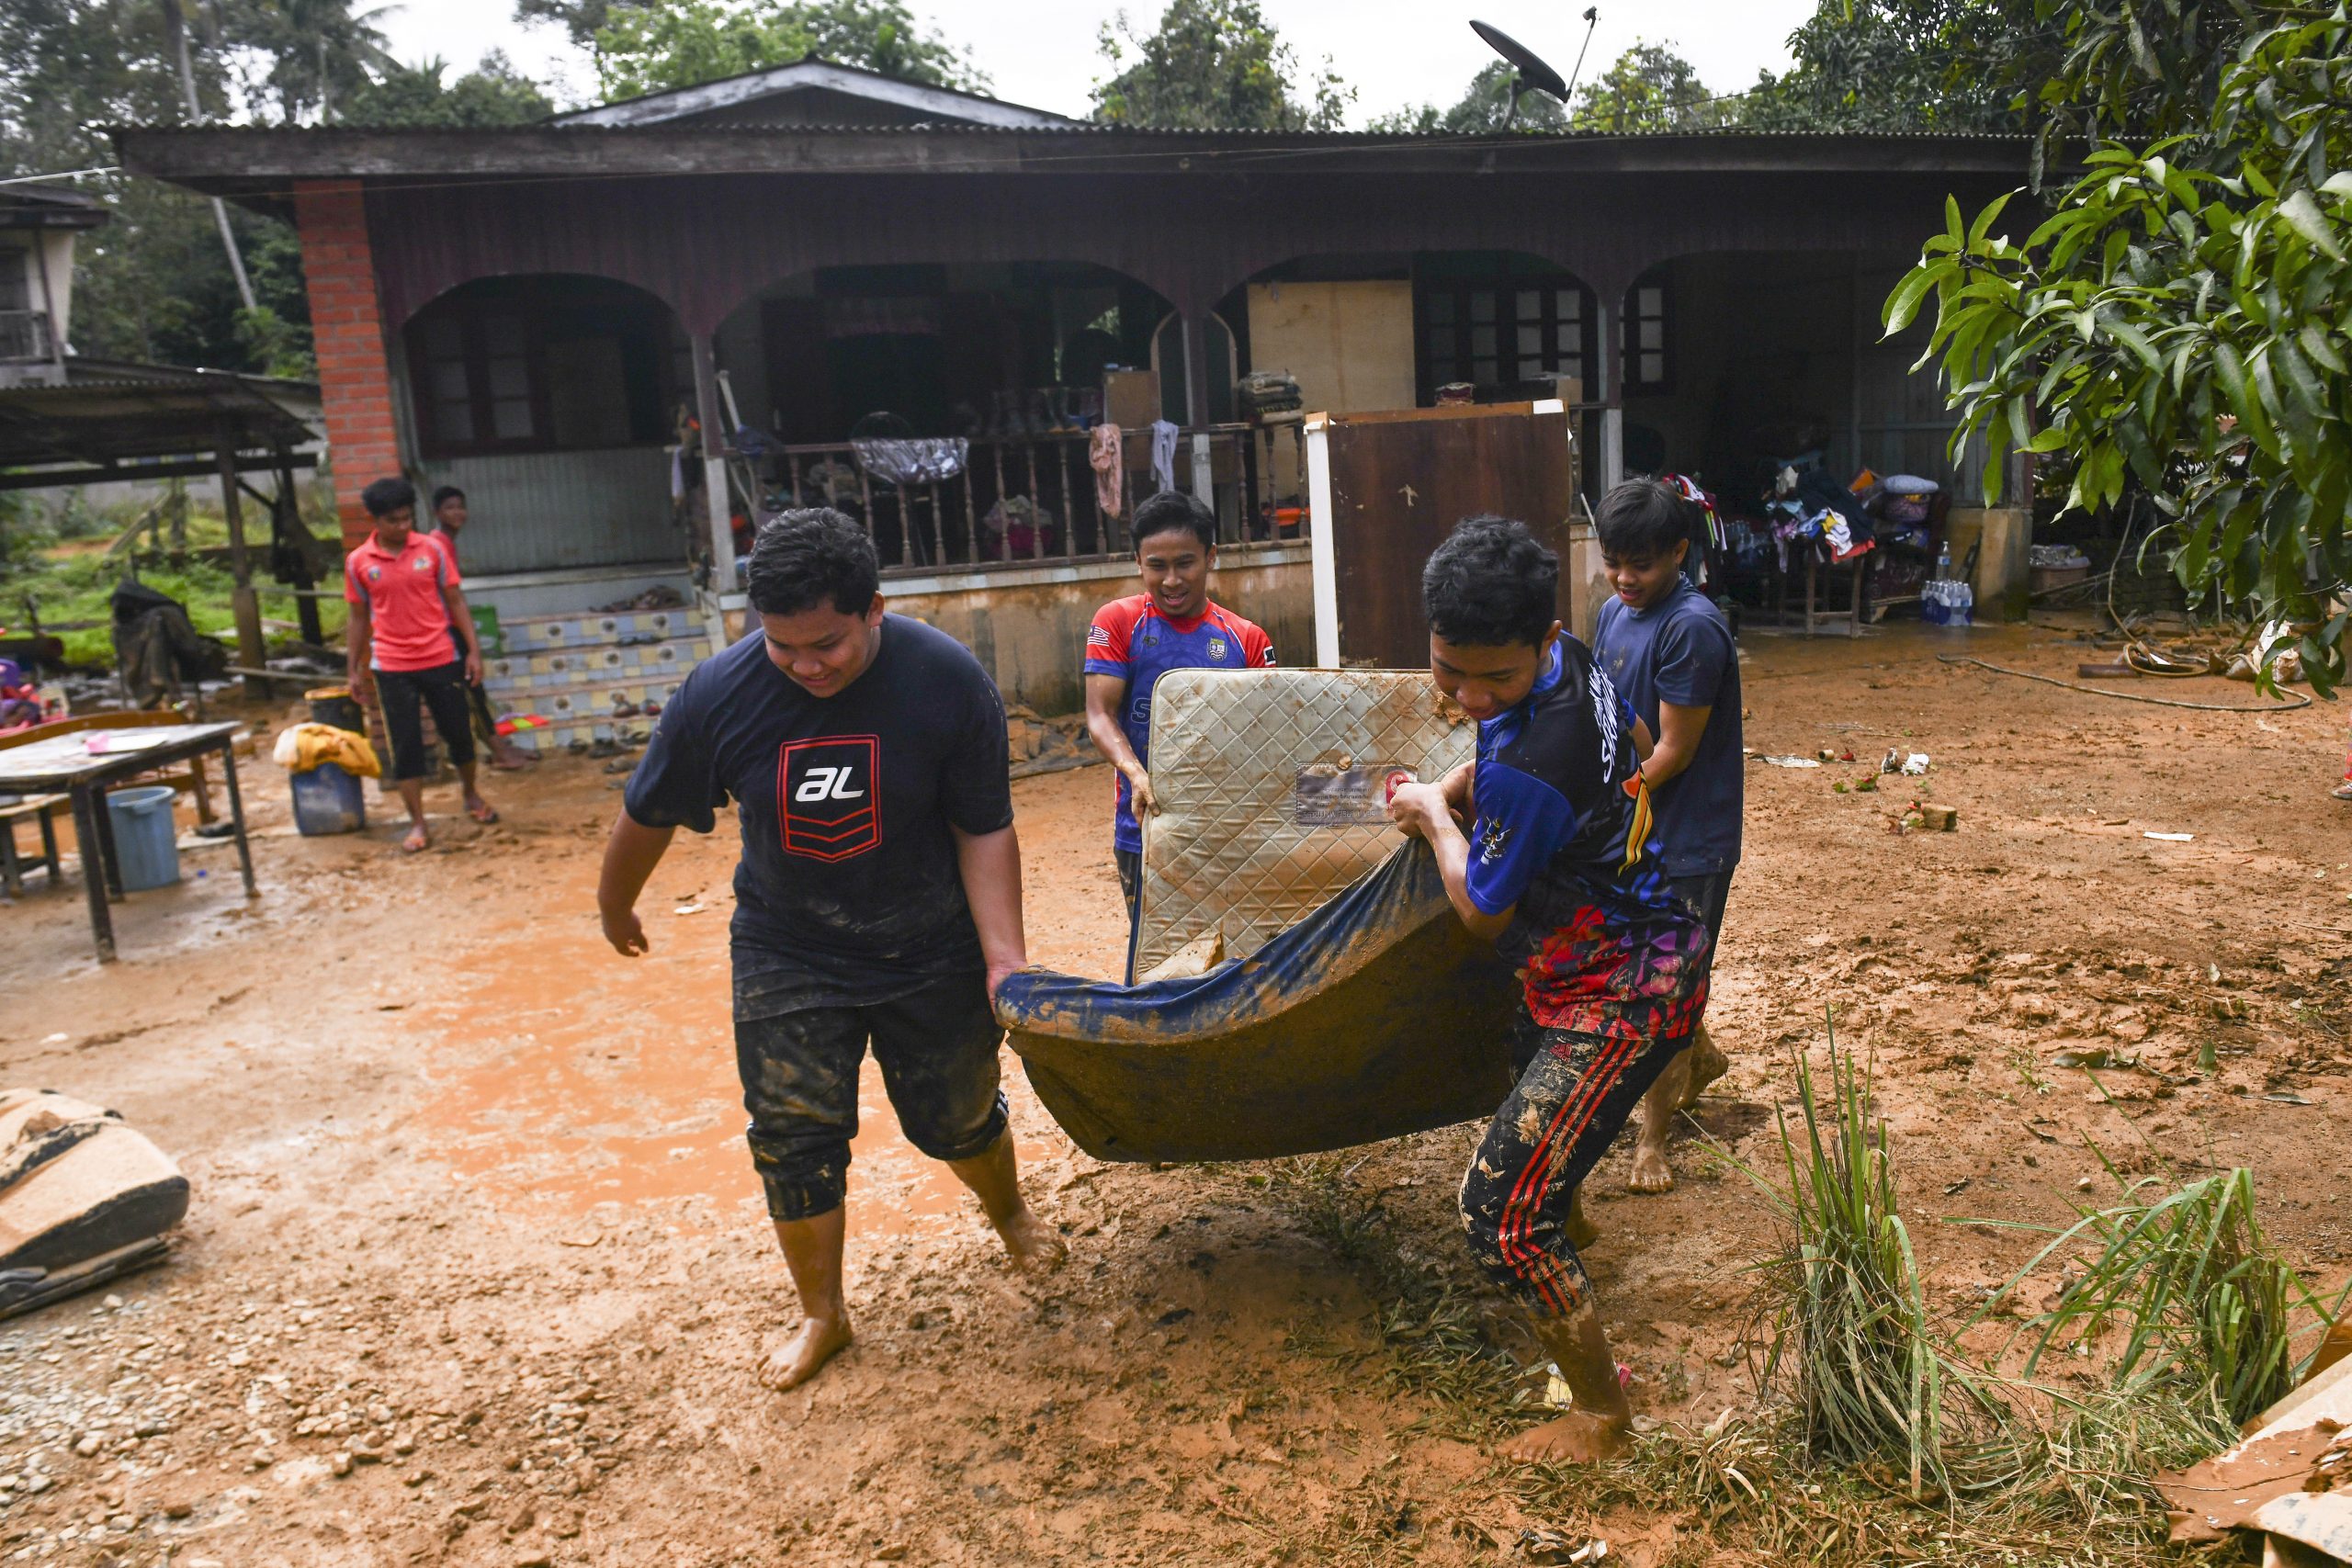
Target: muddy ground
{"x": 476, "y": 1268}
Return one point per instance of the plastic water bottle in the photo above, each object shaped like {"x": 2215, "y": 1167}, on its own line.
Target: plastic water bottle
{"x": 1944, "y": 562}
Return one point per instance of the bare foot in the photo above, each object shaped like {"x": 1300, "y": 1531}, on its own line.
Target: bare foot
{"x": 801, "y": 1356}
{"x": 1707, "y": 1063}
{"x": 415, "y": 840}
{"x": 481, "y": 811}
{"x": 1576, "y": 1438}
{"x": 2342, "y": 791}
{"x": 1580, "y": 1230}
{"x": 1032, "y": 1243}
{"x": 1650, "y": 1173}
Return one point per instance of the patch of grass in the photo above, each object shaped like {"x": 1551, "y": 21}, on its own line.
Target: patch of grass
{"x": 1852, "y": 1341}
{"x": 2205, "y": 1307}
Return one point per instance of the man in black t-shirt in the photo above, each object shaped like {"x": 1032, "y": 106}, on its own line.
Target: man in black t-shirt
{"x": 878, "y": 900}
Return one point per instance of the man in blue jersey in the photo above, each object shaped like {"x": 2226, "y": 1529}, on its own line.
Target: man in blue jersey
{"x": 1558, "y": 868}
{"x": 1171, "y": 625}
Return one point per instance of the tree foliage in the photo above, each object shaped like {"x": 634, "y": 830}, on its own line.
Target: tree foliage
{"x": 1866, "y": 65}
{"x": 2180, "y": 325}
{"x": 492, "y": 94}
{"x": 155, "y": 283}
{"x": 1648, "y": 88}
{"x": 1213, "y": 65}
{"x": 315, "y": 54}
{"x": 643, "y": 49}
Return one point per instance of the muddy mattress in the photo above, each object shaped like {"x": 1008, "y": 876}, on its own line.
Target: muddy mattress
{"x": 1376, "y": 1016}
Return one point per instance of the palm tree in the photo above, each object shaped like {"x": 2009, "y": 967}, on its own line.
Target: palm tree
{"x": 320, "y": 52}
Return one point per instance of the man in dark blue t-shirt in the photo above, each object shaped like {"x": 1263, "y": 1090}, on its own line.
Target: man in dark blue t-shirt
{"x": 1669, "y": 652}
{"x": 878, "y": 900}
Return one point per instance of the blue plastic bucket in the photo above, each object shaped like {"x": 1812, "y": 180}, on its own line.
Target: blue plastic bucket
{"x": 146, "y": 840}
{"x": 328, "y": 800}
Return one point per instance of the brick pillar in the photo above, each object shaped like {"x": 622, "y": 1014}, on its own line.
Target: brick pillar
{"x": 347, "y": 331}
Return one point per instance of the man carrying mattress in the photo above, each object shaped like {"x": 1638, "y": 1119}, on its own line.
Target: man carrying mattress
{"x": 1559, "y": 868}
{"x": 1171, "y": 625}
{"x": 877, "y": 902}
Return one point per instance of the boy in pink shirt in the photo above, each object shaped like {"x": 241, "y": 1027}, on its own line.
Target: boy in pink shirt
{"x": 406, "y": 609}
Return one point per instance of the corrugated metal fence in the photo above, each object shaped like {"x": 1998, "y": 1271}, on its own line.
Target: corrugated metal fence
{"x": 541, "y": 511}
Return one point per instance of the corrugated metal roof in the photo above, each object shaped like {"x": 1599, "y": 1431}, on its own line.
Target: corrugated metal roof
{"x": 736, "y": 130}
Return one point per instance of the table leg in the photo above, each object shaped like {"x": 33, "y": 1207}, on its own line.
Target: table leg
{"x": 237, "y": 815}
{"x": 94, "y": 877}
{"x": 49, "y": 844}
{"x": 104, "y": 819}
{"x": 11, "y": 881}
{"x": 1812, "y": 578}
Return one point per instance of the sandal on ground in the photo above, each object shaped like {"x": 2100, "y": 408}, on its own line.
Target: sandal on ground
{"x": 416, "y": 842}
{"x": 484, "y": 813}
{"x": 2342, "y": 791}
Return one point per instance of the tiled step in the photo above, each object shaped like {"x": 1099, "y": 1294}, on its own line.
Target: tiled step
{"x": 519, "y": 678}
{"x": 589, "y": 704}
{"x": 541, "y": 634}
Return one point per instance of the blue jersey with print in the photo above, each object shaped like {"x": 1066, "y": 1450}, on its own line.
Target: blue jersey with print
{"x": 1131, "y": 639}
{"x": 1562, "y": 833}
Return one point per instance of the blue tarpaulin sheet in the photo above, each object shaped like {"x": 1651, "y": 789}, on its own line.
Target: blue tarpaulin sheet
{"x": 1374, "y": 1016}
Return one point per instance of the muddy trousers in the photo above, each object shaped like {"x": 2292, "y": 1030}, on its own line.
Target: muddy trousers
{"x": 1575, "y": 1094}
{"x": 937, "y": 1048}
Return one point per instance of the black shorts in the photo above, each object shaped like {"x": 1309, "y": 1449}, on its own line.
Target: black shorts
{"x": 937, "y": 1048}
{"x": 1130, "y": 864}
{"x": 404, "y": 693}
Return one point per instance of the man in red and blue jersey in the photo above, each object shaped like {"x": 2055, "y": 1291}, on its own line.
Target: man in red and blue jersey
{"x": 1558, "y": 866}
{"x": 1171, "y": 625}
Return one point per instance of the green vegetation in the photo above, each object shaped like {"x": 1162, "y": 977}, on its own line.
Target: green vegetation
{"x": 2175, "y": 331}
{"x": 1213, "y": 65}
{"x": 62, "y": 571}
{"x": 645, "y": 49}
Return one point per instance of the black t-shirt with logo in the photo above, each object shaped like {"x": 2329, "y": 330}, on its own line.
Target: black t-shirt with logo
{"x": 848, "y": 892}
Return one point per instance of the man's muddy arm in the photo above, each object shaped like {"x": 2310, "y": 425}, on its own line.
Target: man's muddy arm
{"x": 631, "y": 855}
{"x": 989, "y": 864}
{"x": 1105, "y": 694}
{"x": 1423, "y": 810}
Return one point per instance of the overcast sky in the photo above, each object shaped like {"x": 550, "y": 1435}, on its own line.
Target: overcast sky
{"x": 1042, "y": 52}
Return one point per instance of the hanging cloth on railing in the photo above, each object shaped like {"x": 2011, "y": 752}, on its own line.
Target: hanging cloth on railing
{"x": 912, "y": 460}
{"x": 1106, "y": 455}
{"x": 1163, "y": 453}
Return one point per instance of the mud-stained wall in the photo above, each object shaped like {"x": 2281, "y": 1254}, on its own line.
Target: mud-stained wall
{"x": 1028, "y": 628}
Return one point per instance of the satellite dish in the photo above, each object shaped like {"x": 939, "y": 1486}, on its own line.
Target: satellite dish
{"x": 1532, "y": 72}
{"x": 1528, "y": 72}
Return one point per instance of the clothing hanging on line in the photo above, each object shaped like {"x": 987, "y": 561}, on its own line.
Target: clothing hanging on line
{"x": 1104, "y": 456}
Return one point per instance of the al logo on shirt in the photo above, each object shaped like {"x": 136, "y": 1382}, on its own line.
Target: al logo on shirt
{"x": 825, "y": 795}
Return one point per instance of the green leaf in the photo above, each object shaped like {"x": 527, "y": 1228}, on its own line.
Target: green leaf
{"x": 2302, "y": 215}
{"x": 1903, "y": 305}
{"x": 1986, "y": 220}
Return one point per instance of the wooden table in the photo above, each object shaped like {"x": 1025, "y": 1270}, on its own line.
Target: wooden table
{"x": 67, "y": 763}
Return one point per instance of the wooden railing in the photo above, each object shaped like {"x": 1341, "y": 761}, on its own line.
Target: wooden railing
{"x": 1025, "y": 499}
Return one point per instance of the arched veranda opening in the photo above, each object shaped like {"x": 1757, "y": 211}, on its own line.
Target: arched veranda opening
{"x": 550, "y": 399}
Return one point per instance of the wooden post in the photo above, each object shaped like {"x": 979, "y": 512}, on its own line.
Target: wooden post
{"x": 714, "y": 467}
{"x": 245, "y": 603}
{"x": 295, "y": 536}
